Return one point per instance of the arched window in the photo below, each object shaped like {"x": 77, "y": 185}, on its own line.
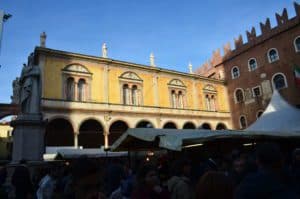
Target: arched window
{"x": 81, "y": 90}
{"x": 235, "y": 72}
{"x": 273, "y": 55}
{"x": 134, "y": 95}
{"x": 177, "y": 93}
{"x": 239, "y": 95}
{"x": 243, "y": 122}
{"x": 259, "y": 113}
{"x": 212, "y": 103}
{"x": 252, "y": 64}
{"x": 210, "y": 94}
{"x": 207, "y": 101}
{"x": 180, "y": 100}
{"x": 76, "y": 81}
{"x": 173, "y": 96}
{"x": 126, "y": 94}
{"x": 70, "y": 91}
{"x": 279, "y": 81}
{"x": 297, "y": 44}
{"x": 131, "y": 89}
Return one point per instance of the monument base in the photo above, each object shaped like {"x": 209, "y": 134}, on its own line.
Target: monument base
{"x": 28, "y": 138}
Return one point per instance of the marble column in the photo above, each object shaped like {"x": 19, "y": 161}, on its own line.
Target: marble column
{"x": 75, "y": 139}
{"x": 106, "y": 143}
{"x": 106, "y": 84}
{"x": 156, "y": 97}
{"x": 195, "y": 95}
{"x": 75, "y": 90}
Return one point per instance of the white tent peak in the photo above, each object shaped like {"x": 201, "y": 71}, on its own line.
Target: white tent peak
{"x": 278, "y": 116}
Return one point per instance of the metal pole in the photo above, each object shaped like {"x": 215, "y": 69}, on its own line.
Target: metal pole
{"x": 3, "y": 18}
{"x": 1, "y": 26}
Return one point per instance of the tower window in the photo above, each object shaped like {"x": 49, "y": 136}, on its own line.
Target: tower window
{"x": 239, "y": 96}
{"x": 252, "y": 64}
{"x": 273, "y": 55}
{"x": 235, "y": 72}
{"x": 279, "y": 81}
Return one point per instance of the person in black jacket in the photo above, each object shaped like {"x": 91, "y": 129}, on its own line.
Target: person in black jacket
{"x": 269, "y": 181}
{"x": 22, "y": 182}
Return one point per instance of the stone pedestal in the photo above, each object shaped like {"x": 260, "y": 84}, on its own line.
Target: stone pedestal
{"x": 28, "y": 138}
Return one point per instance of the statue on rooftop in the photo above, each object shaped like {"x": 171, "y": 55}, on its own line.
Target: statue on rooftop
{"x": 190, "y": 68}
{"x": 43, "y": 37}
{"x": 152, "y": 62}
{"x": 104, "y": 50}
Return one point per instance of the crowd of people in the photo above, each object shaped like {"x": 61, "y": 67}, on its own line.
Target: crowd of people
{"x": 265, "y": 173}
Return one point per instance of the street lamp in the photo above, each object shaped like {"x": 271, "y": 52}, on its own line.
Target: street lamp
{"x": 3, "y": 18}
{"x": 6, "y": 17}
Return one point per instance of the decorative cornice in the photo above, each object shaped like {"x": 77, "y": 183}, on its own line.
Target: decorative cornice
{"x": 59, "y": 53}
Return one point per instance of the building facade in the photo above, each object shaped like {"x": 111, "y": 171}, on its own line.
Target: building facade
{"x": 255, "y": 68}
{"x": 5, "y": 139}
{"x": 90, "y": 101}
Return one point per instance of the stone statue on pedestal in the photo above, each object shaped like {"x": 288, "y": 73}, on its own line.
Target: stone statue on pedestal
{"x": 29, "y": 127}
{"x": 15, "y": 98}
{"x": 30, "y": 91}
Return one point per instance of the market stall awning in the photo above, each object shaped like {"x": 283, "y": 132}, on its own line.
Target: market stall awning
{"x": 178, "y": 139}
{"x": 90, "y": 153}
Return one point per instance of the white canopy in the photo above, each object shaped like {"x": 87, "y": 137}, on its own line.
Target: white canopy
{"x": 278, "y": 116}
{"x": 279, "y": 121}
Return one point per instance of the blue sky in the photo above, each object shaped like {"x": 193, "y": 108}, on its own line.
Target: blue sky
{"x": 176, "y": 31}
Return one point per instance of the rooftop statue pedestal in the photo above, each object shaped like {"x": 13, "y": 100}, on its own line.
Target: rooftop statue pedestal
{"x": 28, "y": 138}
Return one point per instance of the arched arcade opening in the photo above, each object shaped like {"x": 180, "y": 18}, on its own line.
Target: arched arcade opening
{"x": 170, "y": 125}
{"x": 221, "y": 126}
{"x": 116, "y": 129}
{"x": 189, "y": 125}
{"x": 59, "y": 132}
{"x": 90, "y": 134}
{"x": 144, "y": 124}
{"x": 205, "y": 126}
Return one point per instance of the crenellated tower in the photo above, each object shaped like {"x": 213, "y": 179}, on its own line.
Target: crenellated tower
{"x": 241, "y": 45}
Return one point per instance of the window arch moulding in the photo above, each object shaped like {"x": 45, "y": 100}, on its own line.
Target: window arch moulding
{"x": 130, "y": 77}
{"x": 176, "y": 83}
{"x": 210, "y": 97}
{"x": 77, "y": 72}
